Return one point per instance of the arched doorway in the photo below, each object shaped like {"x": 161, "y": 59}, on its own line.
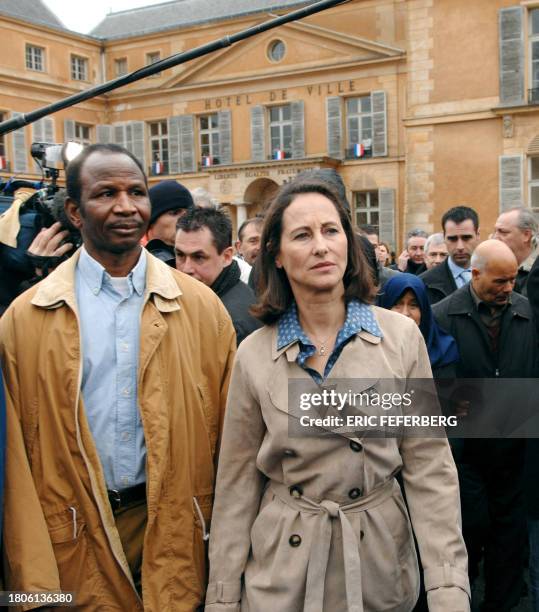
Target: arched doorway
{"x": 258, "y": 195}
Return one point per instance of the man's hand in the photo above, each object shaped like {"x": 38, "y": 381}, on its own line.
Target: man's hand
{"x": 402, "y": 261}
{"x": 48, "y": 243}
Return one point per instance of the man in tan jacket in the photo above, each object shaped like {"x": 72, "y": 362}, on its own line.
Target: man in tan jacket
{"x": 116, "y": 371}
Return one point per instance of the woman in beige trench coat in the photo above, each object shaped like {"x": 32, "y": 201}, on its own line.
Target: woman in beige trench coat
{"x": 318, "y": 524}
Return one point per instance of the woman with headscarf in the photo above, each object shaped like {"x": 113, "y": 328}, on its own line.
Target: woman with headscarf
{"x": 318, "y": 524}
{"x": 407, "y": 294}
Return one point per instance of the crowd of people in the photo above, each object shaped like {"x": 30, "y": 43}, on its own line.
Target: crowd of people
{"x": 149, "y": 458}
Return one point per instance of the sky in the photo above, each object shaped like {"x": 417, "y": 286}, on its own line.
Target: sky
{"x": 83, "y": 16}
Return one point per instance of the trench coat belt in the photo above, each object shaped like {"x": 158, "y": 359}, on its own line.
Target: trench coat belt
{"x": 319, "y": 554}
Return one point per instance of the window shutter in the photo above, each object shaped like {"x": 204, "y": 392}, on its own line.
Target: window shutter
{"x": 174, "y": 166}
{"x": 511, "y": 42}
{"x": 379, "y": 124}
{"x": 511, "y": 169}
{"x": 19, "y": 148}
{"x": 69, "y": 129}
{"x": 105, "y": 134}
{"x": 187, "y": 144}
{"x": 225, "y": 137}
{"x": 334, "y": 126}
{"x": 298, "y": 129}
{"x": 120, "y": 137}
{"x": 138, "y": 143}
{"x": 48, "y": 129}
{"x": 258, "y": 144}
{"x": 386, "y": 201}
{"x": 38, "y": 132}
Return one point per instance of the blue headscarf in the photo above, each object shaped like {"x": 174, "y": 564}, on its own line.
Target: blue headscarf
{"x": 441, "y": 346}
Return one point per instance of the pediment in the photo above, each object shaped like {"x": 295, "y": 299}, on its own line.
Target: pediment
{"x": 307, "y": 46}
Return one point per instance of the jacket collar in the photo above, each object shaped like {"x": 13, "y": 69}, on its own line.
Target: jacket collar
{"x": 59, "y": 286}
{"x": 461, "y": 302}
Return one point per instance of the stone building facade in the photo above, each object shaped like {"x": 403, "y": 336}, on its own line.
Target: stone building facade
{"x": 419, "y": 104}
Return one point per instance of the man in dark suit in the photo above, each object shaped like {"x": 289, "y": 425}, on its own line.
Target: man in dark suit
{"x": 461, "y": 233}
{"x": 496, "y": 340}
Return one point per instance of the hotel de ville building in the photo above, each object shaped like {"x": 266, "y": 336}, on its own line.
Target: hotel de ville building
{"x": 419, "y": 105}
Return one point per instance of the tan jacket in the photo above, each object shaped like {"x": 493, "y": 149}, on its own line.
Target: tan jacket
{"x": 59, "y": 531}
{"x": 322, "y": 551}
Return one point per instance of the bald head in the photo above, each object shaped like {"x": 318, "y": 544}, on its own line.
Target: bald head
{"x": 494, "y": 270}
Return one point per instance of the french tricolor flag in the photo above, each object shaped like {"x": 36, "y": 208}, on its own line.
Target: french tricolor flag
{"x": 158, "y": 167}
{"x": 3, "y": 162}
{"x": 359, "y": 150}
{"x": 278, "y": 154}
{"x": 207, "y": 160}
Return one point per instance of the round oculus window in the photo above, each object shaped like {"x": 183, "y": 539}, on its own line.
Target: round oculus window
{"x": 276, "y": 50}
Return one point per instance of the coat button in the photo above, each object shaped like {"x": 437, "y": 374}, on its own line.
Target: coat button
{"x": 296, "y": 491}
{"x": 354, "y": 493}
{"x": 356, "y": 446}
{"x": 295, "y": 540}
{"x": 289, "y": 452}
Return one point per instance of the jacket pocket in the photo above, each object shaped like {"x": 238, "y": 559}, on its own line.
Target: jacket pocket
{"x": 201, "y": 522}
{"x": 75, "y": 560}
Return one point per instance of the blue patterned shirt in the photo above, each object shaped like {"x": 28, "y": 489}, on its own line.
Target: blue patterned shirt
{"x": 358, "y": 316}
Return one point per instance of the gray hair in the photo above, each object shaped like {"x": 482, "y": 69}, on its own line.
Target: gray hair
{"x": 434, "y": 240}
{"x": 416, "y": 233}
{"x": 526, "y": 219}
{"x": 203, "y": 199}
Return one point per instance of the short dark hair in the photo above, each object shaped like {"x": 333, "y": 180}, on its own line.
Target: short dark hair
{"x": 258, "y": 220}
{"x": 74, "y": 168}
{"x": 458, "y": 214}
{"x": 216, "y": 221}
{"x": 274, "y": 291}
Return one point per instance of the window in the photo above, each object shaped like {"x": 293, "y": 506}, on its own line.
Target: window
{"x": 276, "y": 50}
{"x": 35, "y": 58}
{"x": 533, "y": 182}
{"x": 159, "y": 147}
{"x": 82, "y": 134}
{"x": 120, "y": 66}
{"x": 209, "y": 139}
{"x": 79, "y": 68}
{"x": 534, "y": 55}
{"x": 280, "y": 124}
{"x": 359, "y": 127}
{"x": 367, "y": 208}
{"x": 152, "y": 58}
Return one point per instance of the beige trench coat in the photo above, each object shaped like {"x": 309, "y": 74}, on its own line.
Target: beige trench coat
{"x": 267, "y": 543}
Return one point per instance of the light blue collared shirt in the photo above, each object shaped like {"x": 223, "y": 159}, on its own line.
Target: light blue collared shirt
{"x": 358, "y": 316}
{"x": 461, "y": 275}
{"x": 110, "y": 338}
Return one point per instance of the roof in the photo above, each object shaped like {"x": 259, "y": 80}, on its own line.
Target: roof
{"x": 34, "y": 11}
{"x": 183, "y": 13}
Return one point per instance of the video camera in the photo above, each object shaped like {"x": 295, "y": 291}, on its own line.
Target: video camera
{"x": 42, "y": 208}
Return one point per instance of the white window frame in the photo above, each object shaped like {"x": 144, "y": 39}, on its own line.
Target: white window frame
{"x": 359, "y": 117}
{"x": 159, "y": 138}
{"x": 367, "y": 209}
{"x": 213, "y": 149}
{"x": 532, "y": 183}
{"x": 281, "y": 124}
{"x": 34, "y": 55}
{"x": 79, "y": 134}
{"x": 532, "y": 39}
{"x": 79, "y": 67}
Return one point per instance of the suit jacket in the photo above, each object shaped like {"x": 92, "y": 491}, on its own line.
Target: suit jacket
{"x": 439, "y": 281}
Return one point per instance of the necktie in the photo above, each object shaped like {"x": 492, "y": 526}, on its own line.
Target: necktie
{"x": 466, "y": 276}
